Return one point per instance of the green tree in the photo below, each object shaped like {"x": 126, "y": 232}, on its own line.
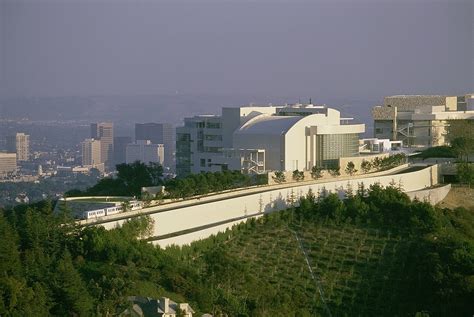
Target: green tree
{"x": 126, "y": 206}
{"x": 350, "y": 168}
{"x": 331, "y": 206}
{"x": 316, "y": 172}
{"x": 72, "y": 290}
{"x": 108, "y": 187}
{"x": 460, "y": 134}
{"x": 279, "y": 177}
{"x": 465, "y": 172}
{"x": 298, "y": 175}
{"x": 334, "y": 170}
{"x": 377, "y": 163}
{"x": 366, "y": 166}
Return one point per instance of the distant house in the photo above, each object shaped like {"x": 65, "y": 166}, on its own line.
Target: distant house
{"x": 153, "y": 190}
{"x": 163, "y": 307}
{"x": 22, "y": 198}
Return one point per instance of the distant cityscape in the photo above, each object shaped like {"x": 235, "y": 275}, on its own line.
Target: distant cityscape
{"x": 253, "y": 139}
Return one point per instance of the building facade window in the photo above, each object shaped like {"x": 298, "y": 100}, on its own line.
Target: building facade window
{"x": 213, "y": 125}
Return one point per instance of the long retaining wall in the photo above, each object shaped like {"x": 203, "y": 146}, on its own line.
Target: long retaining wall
{"x": 431, "y": 195}
{"x": 187, "y": 221}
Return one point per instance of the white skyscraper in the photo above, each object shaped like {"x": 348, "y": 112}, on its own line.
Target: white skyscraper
{"x": 145, "y": 151}
{"x": 91, "y": 152}
{"x": 19, "y": 144}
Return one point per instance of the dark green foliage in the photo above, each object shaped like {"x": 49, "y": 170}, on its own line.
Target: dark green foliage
{"x": 298, "y": 175}
{"x": 316, "y": 172}
{"x": 366, "y": 166}
{"x": 205, "y": 183}
{"x": 374, "y": 253}
{"x": 461, "y": 137}
{"x": 334, "y": 170}
{"x": 465, "y": 173}
{"x": 437, "y": 152}
{"x": 279, "y": 177}
{"x": 70, "y": 289}
{"x": 129, "y": 181}
{"x": 391, "y": 161}
{"x": 132, "y": 177}
{"x": 350, "y": 168}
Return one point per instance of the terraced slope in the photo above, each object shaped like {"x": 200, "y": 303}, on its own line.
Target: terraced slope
{"x": 356, "y": 271}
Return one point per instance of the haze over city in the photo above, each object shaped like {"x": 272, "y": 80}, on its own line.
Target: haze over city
{"x": 221, "y": 158}
{"x": 234, "y": 52}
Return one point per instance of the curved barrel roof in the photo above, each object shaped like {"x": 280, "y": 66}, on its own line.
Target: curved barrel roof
{"x": 266, "y": 124}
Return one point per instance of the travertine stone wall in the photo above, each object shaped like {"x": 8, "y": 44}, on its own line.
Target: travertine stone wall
{"x": 409, "y": 103}
{"x": 383, "y": 113}
{"x": 432, "y": 195}
{"x": 206, "y": 216}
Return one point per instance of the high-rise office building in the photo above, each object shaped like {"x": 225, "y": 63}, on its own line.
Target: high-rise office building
{"x": 19, "y": 143}
{"x": 145, "y": 151}
{"x": 120, "y": 146}
{"x": 104, "y": 131}
{"x": 7, "y": 164}
{"x": 158, "y": 133}
{"x": 91, "y": 152}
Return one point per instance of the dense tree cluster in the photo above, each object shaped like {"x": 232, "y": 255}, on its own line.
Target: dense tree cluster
{"x": 461, "y": 137}
{"x": 132, "y": 177}
{"x": 128, "y": 182}
{"x": 204, "y": 183}
{"x": 50, "y": 266}
{"x": 444, "y": 239}
{"x": 388, "y": 162}
{"x": 437, "y": 152}
{"x": 379, "y": 207}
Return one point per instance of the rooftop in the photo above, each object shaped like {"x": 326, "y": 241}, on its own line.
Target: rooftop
{"x": 266, "y": 124}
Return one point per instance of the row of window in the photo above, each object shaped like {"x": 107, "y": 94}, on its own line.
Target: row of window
{"x": 203, "y": 124}
{"x": 208, "y": 137}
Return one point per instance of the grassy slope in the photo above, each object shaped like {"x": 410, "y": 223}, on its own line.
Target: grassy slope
{"x": 361, "y": 271}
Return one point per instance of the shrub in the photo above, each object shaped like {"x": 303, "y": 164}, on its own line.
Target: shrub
{"x": 366, "y": 166}
{"x": 350, "y": 168}
{"x": 298, "y": 175}
{"x": 279, "y": 177}
{"x": 334, "y": 170}
{"x": 316, "y": 172}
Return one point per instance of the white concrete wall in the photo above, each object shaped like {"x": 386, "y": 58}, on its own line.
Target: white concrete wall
{"x": 432, "y": 195}
{"x": 294, "y": 149}
{"x": 196, "y": 235}
{"x": 271, "y": 143}
{"x": 225, "y": 208}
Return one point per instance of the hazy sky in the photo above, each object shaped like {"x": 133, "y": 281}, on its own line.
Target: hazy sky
{"x": 351, "y": 49}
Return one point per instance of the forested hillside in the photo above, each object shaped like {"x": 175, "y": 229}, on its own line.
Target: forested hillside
{"x": 374, "y": 254}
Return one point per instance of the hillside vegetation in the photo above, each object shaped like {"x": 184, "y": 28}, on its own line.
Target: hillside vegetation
{"x": 374, "y": 254}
